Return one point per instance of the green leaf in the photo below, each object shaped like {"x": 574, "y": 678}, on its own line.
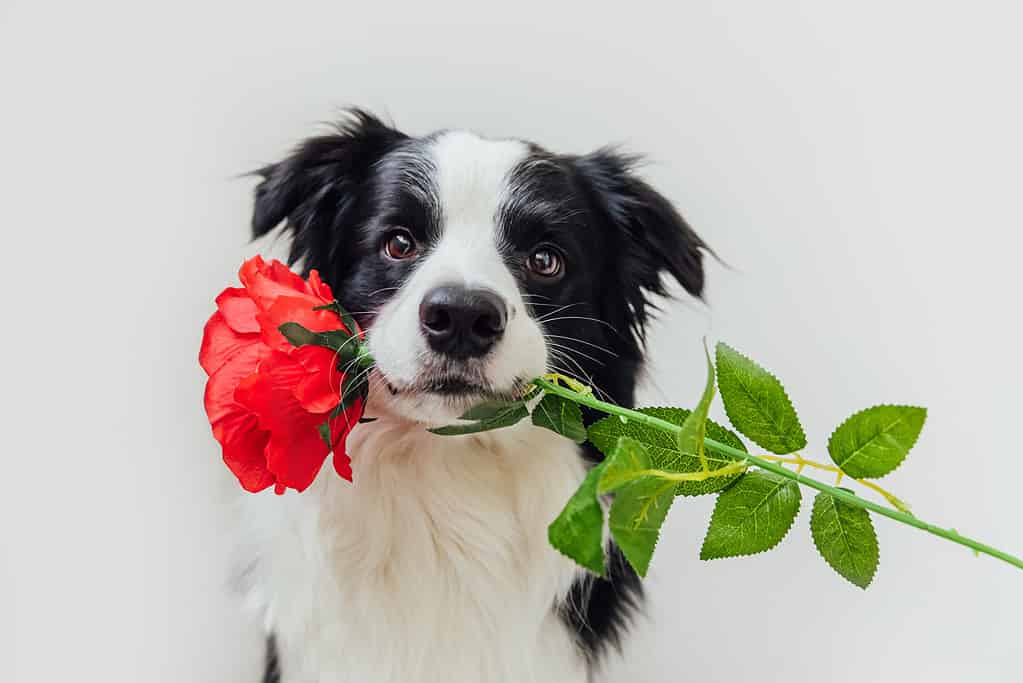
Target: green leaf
{"x": 694, "y": 427}
{"x": 578, "y": 532}
{"x": 502, "y": 418}
{"x": 560, "y": 415}
{"x": 636, "y": 516}
{"x": 490, "y": 409}
{"x": 664, "y": 449}
{"x": 751, "y": 516}
{"x": 756, "y": 403}
{"x": 626, "y": 464}
{"x": 875, "y": 441}
{"x": 845, "y": 538}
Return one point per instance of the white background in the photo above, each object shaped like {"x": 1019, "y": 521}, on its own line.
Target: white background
{"x": 857, "y": 164}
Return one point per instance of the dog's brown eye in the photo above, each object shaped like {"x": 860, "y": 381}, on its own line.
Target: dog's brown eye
{"x": 400, "y": 244}
{"x": 545, "y": 262}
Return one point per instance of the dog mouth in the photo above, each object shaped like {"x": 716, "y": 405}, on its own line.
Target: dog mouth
{"x": 455, "y": 386}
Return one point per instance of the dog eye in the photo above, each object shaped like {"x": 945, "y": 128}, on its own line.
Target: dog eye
{"x": 399, "y": 244}
{"x": 545, "y": 262}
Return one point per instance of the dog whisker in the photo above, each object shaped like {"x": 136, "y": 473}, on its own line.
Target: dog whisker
{"x": 546, "y": 316}
{"x": 582, "y": 341}
{"x": 569, "y": 349}
{"x": 583, "y": 317}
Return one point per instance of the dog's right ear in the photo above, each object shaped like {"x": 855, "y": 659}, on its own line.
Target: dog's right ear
{"x": 314, "y": 187}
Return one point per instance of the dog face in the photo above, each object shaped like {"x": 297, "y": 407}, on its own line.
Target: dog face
{"x": 476, "y": 265}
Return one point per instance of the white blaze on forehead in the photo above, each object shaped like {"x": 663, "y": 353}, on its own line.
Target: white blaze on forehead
{"x": 471, "y": 178}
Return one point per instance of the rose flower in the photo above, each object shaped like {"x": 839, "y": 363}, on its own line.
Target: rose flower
{"x": 276, "y": 407}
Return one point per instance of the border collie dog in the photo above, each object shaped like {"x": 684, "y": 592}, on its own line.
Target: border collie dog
{"x": 474, "y": 265}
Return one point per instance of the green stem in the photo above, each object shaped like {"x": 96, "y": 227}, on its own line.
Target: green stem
{"x": 845, "y": 496}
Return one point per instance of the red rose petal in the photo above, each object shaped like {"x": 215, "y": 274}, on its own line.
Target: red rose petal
{"x": 246, "y": 456}
{"x": 282, "y": 275}
{"x": 318, "y": 287}
{"x": 264, "y": 398}
{"x": 289, "y": 309}
{"x": 220, "y": 343}
{"x": 249, "y": 269}
{"x": 221, "y": 387}
{"x": 265, "y": 284}
{"x": 296, "y": 459}
{"x": 320, "y": 390}
{"x": 295, "y": 451}
{"x": 343, "y": 465}
{"x": 239, "y": 310}
{"x": 341, "y": 427}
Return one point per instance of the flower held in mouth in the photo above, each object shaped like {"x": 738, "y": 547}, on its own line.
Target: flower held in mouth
{"x": 286, "y": 382}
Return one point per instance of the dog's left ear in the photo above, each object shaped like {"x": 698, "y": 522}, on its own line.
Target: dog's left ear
{"x": 314, "y": 190}
{"x": 652, "y": 238}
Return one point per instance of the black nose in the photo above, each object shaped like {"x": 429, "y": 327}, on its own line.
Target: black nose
{"x": 460, "y": 322}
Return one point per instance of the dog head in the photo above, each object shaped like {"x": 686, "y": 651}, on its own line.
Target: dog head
{"x": 476, "y": 264}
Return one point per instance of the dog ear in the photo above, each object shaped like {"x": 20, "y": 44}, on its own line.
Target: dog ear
{"x": 318, "y": 183}
{"x": 651, "y": 238}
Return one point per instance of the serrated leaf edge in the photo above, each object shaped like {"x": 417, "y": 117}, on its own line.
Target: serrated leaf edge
{"x": 657, "y": 535}
{"x": 563, "y": 403}
{"x": 781, "y": 385}
{"x": 799, "y": 508}
{"x": 595, "y": 472}
{"x": 813, "y": 537}
{"x": 574, "y": 561}
{"x": 610, "y": 419}
{"x": 868, "y": 408}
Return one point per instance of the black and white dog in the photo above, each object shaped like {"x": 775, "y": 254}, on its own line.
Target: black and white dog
{"x": 475, "y": 265}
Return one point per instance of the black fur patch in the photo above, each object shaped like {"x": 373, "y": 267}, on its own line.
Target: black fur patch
{"x": 272, "y": 669}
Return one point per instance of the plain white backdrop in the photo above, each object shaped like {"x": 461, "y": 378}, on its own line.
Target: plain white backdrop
{"x": 857, "y": 165}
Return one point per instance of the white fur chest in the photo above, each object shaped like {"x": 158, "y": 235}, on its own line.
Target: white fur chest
{"x": 434, "y": 566}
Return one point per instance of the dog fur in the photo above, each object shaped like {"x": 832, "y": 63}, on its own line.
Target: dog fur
{"x": 435, "y": 565}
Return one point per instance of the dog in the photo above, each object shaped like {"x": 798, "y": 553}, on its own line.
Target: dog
{"x": 474, "y": 265}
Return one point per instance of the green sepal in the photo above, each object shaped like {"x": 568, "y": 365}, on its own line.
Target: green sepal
{"x": 324, "y": 429}
{"x": 335, "y": 340}
{"x": 332, "y": 306}
{"x": 348, "y": 321}
{"x": 355, "y": 385}
{"x": 346, "y": 318}
{"x": 297, "y": 335}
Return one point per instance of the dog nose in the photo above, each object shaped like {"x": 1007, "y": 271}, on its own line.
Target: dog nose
{"x": 461, "y": 322}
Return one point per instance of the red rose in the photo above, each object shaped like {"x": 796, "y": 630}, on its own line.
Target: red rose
{"x": 269, "y": 402}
